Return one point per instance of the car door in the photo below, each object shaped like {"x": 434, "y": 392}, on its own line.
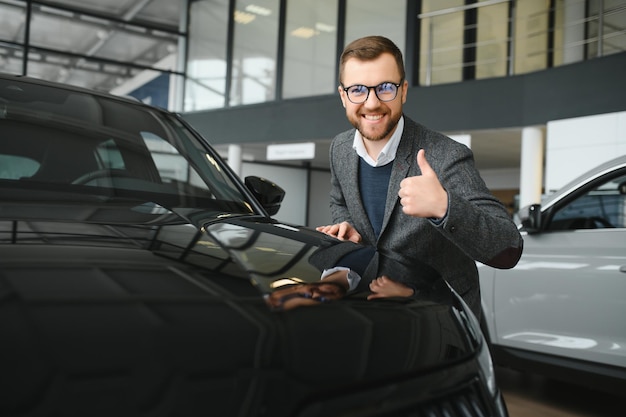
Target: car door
{"x": 567, "y": 295}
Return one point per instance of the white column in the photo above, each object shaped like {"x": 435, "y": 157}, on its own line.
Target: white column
{"x": 234, "y": 158}
{"x": 531, "y": 171}
{"x": 465, "y": 139}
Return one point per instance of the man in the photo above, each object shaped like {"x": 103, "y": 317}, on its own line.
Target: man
{"x": 411, "y": 192}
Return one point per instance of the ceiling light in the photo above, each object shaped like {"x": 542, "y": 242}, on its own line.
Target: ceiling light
{"x": 304, "y": 32}
{"x": 243, "y": 17}
{"x": 323, "y": 27}
{"x": 261, "y": 11}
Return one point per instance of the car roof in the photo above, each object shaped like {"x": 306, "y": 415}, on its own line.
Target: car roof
{"x": 589, "y": 175}
{"x": 77, "y": 89}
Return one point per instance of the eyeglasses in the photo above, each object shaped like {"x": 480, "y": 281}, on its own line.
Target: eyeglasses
{"x": 359, "y": 93}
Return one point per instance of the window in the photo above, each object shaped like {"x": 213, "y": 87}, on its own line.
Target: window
{"x": 14, "y": 167}
{"x": 206, "y": 62}
{"x": 492, "y": 41}
{"x": 604, "y": 206}
{"x": 310, "y": 48}
{"x": 173, "y": 167}
{"x": 607, "y": 19}
{"x": 531, "y": 35}
{"x": 104, "y": 46}
{"x": 12, "y": 20}
{"x": 374, "y": 17}
{"x": 254, "y": 52}
{"x": 441, "y": 49}
{"x": 109, "y": 156}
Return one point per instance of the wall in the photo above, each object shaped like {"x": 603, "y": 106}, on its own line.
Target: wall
{"x": 319, "y": 205}
{"x": 292, "y": 180}
{"x": 301, "y": 187}
{"x": 312, "y": 188}
{"x": 504, "y": 184}
{"x": 579, "y": 103}
{"x": 575, "y": 145}
{"x": 501, "y": 179}
{"x": 591, "y": 87}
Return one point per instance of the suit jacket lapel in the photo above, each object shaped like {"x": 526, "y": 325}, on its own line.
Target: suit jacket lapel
{"x": 399, "y": 171}
{"x": 352, "y": 193}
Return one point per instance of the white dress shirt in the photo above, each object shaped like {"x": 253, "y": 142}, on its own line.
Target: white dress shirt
{"x": 388, "y": 153}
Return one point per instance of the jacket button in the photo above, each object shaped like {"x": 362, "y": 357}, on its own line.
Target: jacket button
{"x": 452, "y": 229}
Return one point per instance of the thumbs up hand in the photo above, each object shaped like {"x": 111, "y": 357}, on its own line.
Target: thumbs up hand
{"x": 423, "y": 195}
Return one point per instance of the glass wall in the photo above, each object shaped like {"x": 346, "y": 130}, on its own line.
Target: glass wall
{"x": 441, "y": 47}
{"x": 531, "y": 35}
{"x": 607, "y": 22}
{"x": 206, "y": 57}
{"x": 12, "y": 20}
{"x": 494, "y": 38}
{"x": 310, "y": 48}
{"x": 375, "y": 17}
{"x": 104, "y": 46}
{"x": 255, "y": 48}
{"x": 458, "y": 41}
{"x": 239, "y": 52}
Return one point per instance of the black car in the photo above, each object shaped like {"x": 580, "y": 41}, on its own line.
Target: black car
{"x": 140, "y": 277}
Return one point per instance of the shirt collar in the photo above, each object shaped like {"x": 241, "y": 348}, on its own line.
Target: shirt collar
{"x": 388, "y": 153}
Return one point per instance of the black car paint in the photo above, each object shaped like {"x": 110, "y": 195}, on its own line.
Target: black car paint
{"x": 145, "y": 320}
{"x": 136, "y": 303}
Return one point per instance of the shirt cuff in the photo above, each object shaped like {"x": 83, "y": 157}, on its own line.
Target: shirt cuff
{"x": 437, "y": 221}
{"x": 352, "y": 277}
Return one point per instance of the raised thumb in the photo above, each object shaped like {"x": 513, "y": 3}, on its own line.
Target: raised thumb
{"x": 423, "y": 163}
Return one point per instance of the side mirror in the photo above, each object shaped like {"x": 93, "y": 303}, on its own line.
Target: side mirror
{"x": 266, "y": 192}
{"x": 531, "y": 218}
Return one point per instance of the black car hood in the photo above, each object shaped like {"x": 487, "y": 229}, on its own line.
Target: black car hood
{"x": 173, "y": 312}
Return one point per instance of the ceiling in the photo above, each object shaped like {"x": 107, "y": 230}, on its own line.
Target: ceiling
{"x": 104, "y": 43}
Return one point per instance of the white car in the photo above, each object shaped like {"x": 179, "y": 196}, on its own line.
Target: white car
{"x": 562, "y": 310}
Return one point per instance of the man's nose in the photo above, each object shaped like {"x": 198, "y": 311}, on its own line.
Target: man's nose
{"x": 372, "y": 98}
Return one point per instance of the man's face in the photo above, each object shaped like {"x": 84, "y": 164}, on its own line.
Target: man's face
{"x": 375, "y": 119}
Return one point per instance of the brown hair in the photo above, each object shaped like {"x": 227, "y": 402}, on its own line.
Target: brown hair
{"x": 370, "y": 48}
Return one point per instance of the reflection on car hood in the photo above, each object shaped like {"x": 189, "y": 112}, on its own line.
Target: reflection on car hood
{"x": 172, "y": 297}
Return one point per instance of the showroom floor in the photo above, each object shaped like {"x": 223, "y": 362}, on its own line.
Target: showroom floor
{"x": 534, "y": 396}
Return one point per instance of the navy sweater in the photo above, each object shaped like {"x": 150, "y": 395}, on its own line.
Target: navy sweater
{"x": 373, "y": 183}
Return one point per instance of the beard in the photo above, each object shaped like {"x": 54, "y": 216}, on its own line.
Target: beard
{"x": 376, "y": 134}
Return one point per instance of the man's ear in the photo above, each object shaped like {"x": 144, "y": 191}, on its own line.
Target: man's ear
{"x": 405, "y": 88}
{"x": 342, "y": 96}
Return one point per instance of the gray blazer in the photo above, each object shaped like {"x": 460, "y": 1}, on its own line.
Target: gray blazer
{"x": 477, "y": 226}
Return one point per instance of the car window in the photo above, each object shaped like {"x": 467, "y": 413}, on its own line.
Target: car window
{"x": 109, "y": 155}
{"x": 14, "y": 167}
{"x": 603, "y": 206}
{"x": 59, "y": 141}
{"x": 172, "y": 166}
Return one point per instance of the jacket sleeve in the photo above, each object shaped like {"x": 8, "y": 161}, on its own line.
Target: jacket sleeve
{"x": 477, "y": 222}
{"x": 338, "y": 208}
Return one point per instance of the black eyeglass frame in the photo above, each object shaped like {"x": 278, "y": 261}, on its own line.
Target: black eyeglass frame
{"x": 369, "y": 88}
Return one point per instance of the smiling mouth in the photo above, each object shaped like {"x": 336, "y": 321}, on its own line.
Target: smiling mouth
{"x": 373, "y": 117}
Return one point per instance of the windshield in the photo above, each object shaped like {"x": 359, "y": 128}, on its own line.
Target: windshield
{"x": 66, "y": 145}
